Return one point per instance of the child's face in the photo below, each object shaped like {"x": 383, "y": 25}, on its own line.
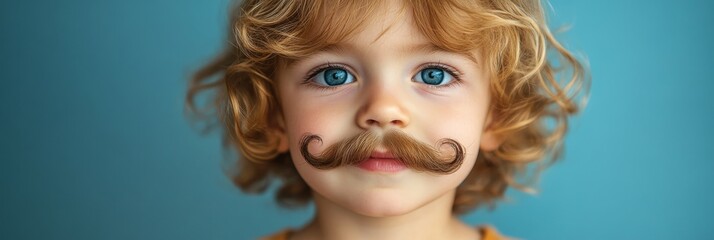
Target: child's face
{"x": 374, "y": 83}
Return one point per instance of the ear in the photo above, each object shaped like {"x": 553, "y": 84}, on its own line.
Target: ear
{"x": 278, "y": 131}
{"x": 490, "y": 141}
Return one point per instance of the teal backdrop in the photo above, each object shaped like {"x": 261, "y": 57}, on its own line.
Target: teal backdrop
{"x": 94, "y": 143}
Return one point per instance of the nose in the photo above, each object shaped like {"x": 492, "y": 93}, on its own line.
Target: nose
{"x": 382, "y": 108}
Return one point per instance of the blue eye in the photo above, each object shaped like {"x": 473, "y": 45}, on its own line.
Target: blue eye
{"x": 333, "y": 76}
{"x": 433, "y": 76}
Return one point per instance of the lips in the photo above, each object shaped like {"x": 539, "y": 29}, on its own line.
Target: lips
{"x": 382, "y": 162}
{"x": 382, "y": 155}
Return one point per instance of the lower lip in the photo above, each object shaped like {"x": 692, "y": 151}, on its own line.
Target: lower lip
{"x": 382, "y": 165}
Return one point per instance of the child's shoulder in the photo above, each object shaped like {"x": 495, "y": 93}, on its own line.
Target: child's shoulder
{"x": 282, "y": 235}
{"x": 487, "y": 232}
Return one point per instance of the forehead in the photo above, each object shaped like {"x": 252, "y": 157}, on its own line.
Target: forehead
{"x": 392, "y": 27}
{"x": 319, "y": 25}
{"x": 332, "y": 21}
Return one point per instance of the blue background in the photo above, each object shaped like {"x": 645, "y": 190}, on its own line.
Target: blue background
{"x": 95, "y": 145}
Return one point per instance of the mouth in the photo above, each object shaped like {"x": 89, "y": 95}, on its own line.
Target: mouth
{"x": 382, "y": 162}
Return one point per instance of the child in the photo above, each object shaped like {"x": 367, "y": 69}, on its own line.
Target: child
{"x": 392, "y": 116}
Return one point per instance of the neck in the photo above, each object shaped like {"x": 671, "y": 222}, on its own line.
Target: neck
{"x": 433, "y": 220}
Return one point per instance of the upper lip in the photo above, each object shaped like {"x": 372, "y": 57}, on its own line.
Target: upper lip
{"x": 376, "y": 154}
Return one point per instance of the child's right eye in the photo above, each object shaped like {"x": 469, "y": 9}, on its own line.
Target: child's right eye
{"x": 333, "y": 76}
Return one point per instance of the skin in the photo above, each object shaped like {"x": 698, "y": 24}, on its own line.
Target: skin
{"x": 384, "y": 58}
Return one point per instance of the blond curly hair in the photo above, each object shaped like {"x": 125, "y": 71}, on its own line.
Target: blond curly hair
{"x": 532, "y": 97}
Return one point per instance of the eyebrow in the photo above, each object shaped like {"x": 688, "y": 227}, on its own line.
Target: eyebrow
{"x": 424, "y": 48}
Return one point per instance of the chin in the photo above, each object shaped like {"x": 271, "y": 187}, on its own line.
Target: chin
{"x": 382, "y": 203}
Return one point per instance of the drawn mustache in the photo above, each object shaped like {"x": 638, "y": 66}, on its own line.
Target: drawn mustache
{"x": 411, "y": 152}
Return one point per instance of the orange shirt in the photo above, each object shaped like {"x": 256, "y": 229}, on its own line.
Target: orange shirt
{"x": 487, "y": 233}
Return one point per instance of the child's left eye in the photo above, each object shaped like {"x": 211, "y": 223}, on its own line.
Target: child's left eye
{"x": 434, "y": 76}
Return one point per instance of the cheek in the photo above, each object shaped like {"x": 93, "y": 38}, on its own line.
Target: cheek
{"x": 327, "y": 183}
{"x": 332, "y": 117}
{"x": 323, "y": 122}
{"x": 311, "y": 175}
{"x": 461, "y": 122}
{"x": 467, "y": 130}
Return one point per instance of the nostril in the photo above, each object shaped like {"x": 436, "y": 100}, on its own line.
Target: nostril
{"x": 372, "y": 122}
{"x": 397, "y": 122}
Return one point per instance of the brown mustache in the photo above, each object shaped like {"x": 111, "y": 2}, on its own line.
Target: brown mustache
{"x": 413, "y": 153}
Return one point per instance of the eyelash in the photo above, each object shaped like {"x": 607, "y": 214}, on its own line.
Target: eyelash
{"x": 450, "y": 70}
